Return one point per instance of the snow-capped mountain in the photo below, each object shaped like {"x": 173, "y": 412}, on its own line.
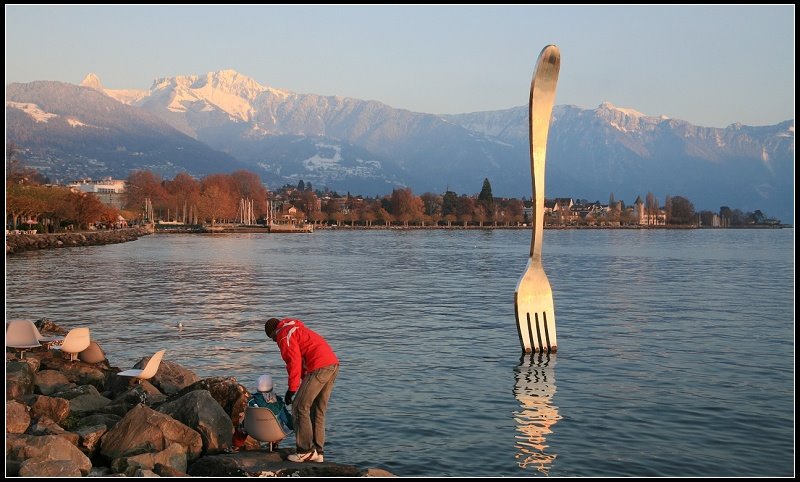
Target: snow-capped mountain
{"x": 70, "y": 132}
{"x": 368, "y": 147}
{"x": 235, "y": 114}
{"x": 612, "y": 149}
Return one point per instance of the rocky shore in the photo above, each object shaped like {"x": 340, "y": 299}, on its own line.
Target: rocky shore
{"x": 19, "y": 242}
{"x": 74, "y": 418}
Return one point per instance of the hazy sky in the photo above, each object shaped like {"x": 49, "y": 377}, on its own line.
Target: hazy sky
{"x": 709, "y": 65}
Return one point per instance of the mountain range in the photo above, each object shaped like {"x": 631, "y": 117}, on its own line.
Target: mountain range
{"x": 223, "y": 121}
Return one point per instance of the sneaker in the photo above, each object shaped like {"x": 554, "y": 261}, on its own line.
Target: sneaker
{"x": 318, "y": 457}
{"x": 304, "y": 457}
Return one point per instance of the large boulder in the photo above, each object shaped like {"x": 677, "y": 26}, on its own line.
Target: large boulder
{"x": 199, "y": 410}
{"x": 144, "y": 430}
{"x": 17, "y": 417}
{"x": 48, "y": 382}
{"x": 54, "y": 408}
{"x": 20, "y": 378}
{"x": 21, "y": 448}
{"x": 172, "y": 378}
{"x": 77, "y": 372}
{"x": 228, "y": 393}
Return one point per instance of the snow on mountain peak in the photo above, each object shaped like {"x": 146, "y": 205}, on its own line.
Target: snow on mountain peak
{"x": 126, "y": 96}
{"x": 93, "y": 81}
{"x": 226, "y": 90}
{"x": 625, "y": 120}
{"x": 232, "y": 82}
{"x": 629, "y": 112}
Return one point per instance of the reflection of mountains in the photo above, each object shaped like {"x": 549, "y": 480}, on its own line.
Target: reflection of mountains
{"x": 534, "y": 387}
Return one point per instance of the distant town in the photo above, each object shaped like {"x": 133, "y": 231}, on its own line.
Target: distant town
{"x": 240, "y": 199}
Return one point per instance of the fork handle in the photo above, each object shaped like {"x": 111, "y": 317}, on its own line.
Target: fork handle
{"x": 540, "y": 109}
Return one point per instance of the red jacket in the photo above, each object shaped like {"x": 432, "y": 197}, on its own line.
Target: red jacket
{"x": 303, "y": 350}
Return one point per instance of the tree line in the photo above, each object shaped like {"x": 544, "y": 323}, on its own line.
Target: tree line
{"x": 217, "y": 198}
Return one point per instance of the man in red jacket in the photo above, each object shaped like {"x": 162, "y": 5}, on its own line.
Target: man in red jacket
{"x": 312, "y": 367}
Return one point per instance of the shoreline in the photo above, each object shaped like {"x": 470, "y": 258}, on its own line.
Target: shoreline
{"x": 260, "y": 229}
{"x": 21, "y": 242}
{"x": 18, "y": 243}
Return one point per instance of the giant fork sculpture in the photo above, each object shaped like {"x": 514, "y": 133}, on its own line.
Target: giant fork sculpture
{"x": 533, "y": 299}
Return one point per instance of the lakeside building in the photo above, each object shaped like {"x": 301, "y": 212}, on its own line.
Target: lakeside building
{"x": 109, "y": 191}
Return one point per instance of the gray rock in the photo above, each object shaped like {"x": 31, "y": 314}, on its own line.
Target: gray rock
{"x": 144, "y": 430}
{"x": 230, "y": 395}
{"x": 127, "y": 400}
{"x": 88, "y": 403}
{"x": 75, "y": 391}
{"x": 199, "y": 410}
{"x": 48, "y": 382}
{"x": 172, "y": 378}
{"x": 107, "y": 419}
{"x": 119, "y": 386}
{"x": 82, "y": 373}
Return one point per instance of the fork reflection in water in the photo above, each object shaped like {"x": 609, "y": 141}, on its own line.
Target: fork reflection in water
{"x": 534, "y": 388}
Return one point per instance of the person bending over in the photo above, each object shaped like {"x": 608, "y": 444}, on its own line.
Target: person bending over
{"x": 312, "y": 367}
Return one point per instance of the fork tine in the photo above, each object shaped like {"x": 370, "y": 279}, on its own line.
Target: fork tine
{"x": 524, "y": 338}
{"x": 537, "y": 331}
{"x": 549, "y": 331}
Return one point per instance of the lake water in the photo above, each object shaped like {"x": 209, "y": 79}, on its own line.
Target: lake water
{"x": 676, "y": 347}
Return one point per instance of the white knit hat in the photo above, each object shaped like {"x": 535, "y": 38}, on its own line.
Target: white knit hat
{"x": 265, "y": 383}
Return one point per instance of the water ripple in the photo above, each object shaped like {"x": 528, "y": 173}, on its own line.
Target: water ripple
{"x": 675, "y": 353}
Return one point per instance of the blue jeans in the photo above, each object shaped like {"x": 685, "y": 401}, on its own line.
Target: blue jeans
{"x": 308, "y": 408}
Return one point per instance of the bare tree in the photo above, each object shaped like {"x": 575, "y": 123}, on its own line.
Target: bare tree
{"x": 651, "y": 208}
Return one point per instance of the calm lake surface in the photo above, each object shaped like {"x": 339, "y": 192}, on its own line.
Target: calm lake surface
{"x": 676, "y": 347}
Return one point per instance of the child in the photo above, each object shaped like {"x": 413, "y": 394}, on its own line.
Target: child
{"x": 265, "y": 397}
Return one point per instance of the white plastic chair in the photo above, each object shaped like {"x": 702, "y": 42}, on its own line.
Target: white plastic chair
{"x": 75, "y": 342}
{"x": 22, "y": 335}
{"x": 261, "y": 424}
{"x": 148, "y": 371}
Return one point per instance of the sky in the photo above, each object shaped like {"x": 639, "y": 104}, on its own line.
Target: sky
{"x": 709, "y": 65}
